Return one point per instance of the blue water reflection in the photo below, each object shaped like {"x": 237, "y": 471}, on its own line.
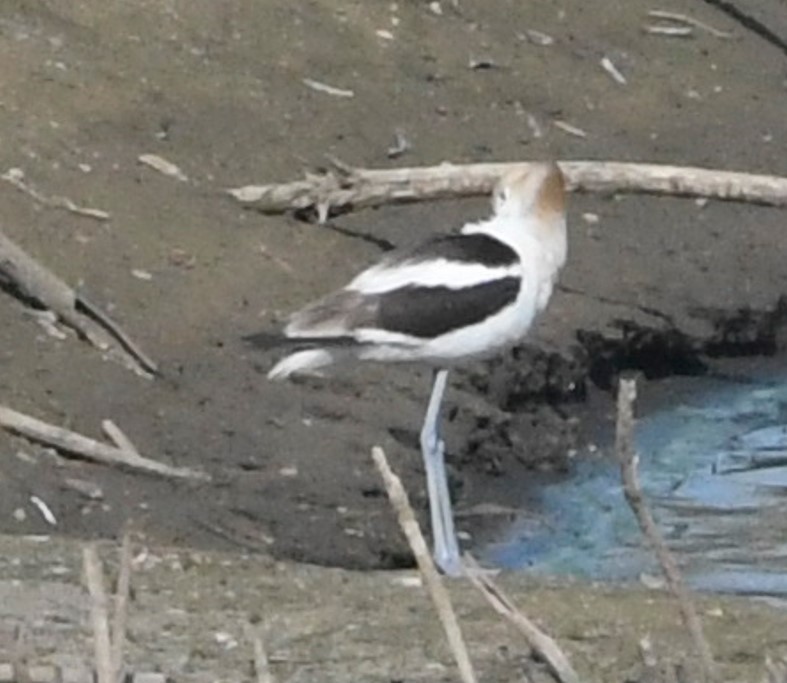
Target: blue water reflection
{"x": 728, "y": 530}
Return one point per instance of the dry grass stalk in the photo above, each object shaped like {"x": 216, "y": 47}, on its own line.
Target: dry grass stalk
{"x": 437, "y": 591}
{"x": 99, "y": 614}
{"x": 628, "y": 460}
{"x": 539, "y": 641}
{"x": 120, "y": 617}
{"x": 344, "y": 187}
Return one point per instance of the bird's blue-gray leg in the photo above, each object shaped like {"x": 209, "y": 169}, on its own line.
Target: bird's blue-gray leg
{"x": 446, "y": 547}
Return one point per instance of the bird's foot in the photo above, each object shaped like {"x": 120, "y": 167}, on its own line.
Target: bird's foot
{"x": 450, "y": 564}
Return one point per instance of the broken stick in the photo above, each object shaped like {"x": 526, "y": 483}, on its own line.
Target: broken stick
{"x": 71, "y": 442}
{"x": 538, "y": 641}
{"x": 35, "y": 282}
{"x": 343, "y": 187}
{"x": 628, "y": 460}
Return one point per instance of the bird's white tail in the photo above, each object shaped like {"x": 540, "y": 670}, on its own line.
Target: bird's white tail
{"x": 301, "y": 362}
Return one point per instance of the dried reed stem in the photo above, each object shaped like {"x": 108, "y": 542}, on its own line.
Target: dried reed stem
{"x": 628, "y": 460}
{"x": 437, "y": 591}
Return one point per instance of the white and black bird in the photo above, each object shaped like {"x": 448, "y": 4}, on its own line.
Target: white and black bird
{"x": 450, "y": 299}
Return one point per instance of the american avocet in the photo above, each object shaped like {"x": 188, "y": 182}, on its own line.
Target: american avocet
{"x": 450, "y": 299}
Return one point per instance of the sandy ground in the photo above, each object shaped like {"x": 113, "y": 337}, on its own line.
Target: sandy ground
{"x": 193, "y": 614}
{"x": 665, "y": 286}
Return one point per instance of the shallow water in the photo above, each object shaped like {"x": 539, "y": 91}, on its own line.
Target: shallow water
{"x": 728, "y": 528}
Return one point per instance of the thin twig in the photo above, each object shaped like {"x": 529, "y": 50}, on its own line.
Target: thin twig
{"x": 669, "y": 31}
{"x": 690, "y": 21}
{"x": 373, "y": 187}
{"x": 116, "y": 435}
{"x": 437, "y": 591}
{"x": 71, "y": 442}
{"x": 539, "y": 641}
{"x": 16, "y": 177}
{"x": 120, "y": 617}
{"x": 163, "y": 166}
{"x": 45, "y": 510}
{"x": 109, "y": 324}
{"x": 609, "y": 66}
{"x": 327, "y": 89}
{"x": 566, "y": 127}
{"x": 94, "y": 576}
{"x": 628, "y": 460}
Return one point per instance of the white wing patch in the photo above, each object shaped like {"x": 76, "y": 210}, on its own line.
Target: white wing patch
{"x": 432, "y": 273}
{"x": 373, "y": 335}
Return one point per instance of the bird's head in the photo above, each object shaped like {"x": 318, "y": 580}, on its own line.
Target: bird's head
{"x": 535, "y": 193}
{"x": 534, "y": 189}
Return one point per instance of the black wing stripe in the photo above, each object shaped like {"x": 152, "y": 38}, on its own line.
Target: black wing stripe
{"x": 274, "y": 340}
{"x": 478, "y": 248}
{"x": 427, "y": 312}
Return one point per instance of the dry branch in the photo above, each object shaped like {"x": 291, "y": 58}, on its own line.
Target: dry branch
{"x": 71, "y": 442}
{"x": 539, "y": 641}
{"x": 99, "y": 614}
{"x": 343, "y": 187}
{"x": 628, "y": 460}
{"x": 437, "y": 591}
{"x": 35, "y": 282}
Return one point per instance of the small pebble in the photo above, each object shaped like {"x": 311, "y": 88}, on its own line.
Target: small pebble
{"x": 652, "y": 582}
{"x": 413, "y": 581}
{"x": 225, "y": 640}
{"x": 591, "y": 218}
{"x": 538, "y": 38}
{"x": 141, "y": 274}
